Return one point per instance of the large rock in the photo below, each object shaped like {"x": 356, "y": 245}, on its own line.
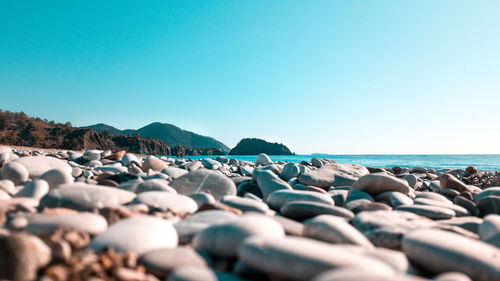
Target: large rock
{"x": 279, "y": 198}
{"x": 269, "y": 182}
{"x": 294, "y": 258}
{"x": 138, "y": 234}
{"x": 88, "y": 222}
{"x": 205, "y": 181}
{"x": 80, "y": 196}
{"x": 334, "y": 230}
{"x": 38, "y": 165}
{"x": 438, "y": 251}
{"x": 378, "y": 183}
{"x": 333, "y": 175}
{"x": 222, "y": 240}
{"x": 166, "y": 201}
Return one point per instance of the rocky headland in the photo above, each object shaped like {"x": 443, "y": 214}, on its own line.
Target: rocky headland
{"x": 115, "y": 215}
{"x": 254, "y": 146}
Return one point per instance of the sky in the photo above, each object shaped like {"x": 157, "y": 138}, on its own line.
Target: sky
{"x": 339, "y": 77}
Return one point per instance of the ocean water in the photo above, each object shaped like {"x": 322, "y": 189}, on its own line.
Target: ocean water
{"x": 490, "y": 162}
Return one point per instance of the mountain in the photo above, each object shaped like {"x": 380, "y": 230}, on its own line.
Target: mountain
{"x": 101, "y": 128}
{"x": 20, "y": 129}
{"x": 253, "y": 146}
{"x": 168, "y": 133}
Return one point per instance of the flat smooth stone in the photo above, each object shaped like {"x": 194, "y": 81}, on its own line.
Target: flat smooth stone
{"x": 87, "y": 222}
{"x": 279, "y": 198}
{"x": 38, "y": 165}
{"x": 269, "y": 182}
{"x": 245, "y": 204}
{"x": 432, "y": 212}
{"x": 333, "y": 174}
{"x": 439, "y": 251}
{"x": 163, "y": 200}
{"x": 223, "y": 240}
{"x": 301, "y": 210}
{"x": 137, "y": 234}
{"x": 203, "y": 180}
{"x": 334, "y": 230}
{"x": 378, "y": 183}
{"x": 161, "y": 262}
{"x": 190, "y": 226}
{"x": 296, "y": 258}
{"x": 82, "y": 196}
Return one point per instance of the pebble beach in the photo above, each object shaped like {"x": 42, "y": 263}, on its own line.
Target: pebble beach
{"x": 103, "y": 215}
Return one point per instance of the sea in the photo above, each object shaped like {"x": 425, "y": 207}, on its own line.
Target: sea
{"x": 488, "y": 162}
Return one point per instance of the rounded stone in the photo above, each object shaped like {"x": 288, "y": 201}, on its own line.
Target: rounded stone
{"x": 301, "y": 210}
{"x": 263, "y": 159}
{"x": 279, "y": 198}
{"x": 357, "y": 273}
{"x": 222, "y": 240}
{"x": 489, "y": 204}
{"x": 438, "y": 251}
{"x": 88, "y": 222}
{"x": 269, "y": 182}
{"x": 21, "y": 256}
{"x": 296, "y": 258}
{"x": 190, "y": 226}
{"x": 489, "y": 227}
{"x": 35, "y": 189}
{"x": 174, "y": 172}
{"x": 432, "y": 212}
{"x": 138, "y": 234}
{"x": 55, "y": 177}
{"x": 154, "y": 164}
{"x": 161, "y": 262}
{"x": 203, "y": 180}
{"x": 398, "y": 199}
{"x": 245, "y": 204}
{"x": 15, "y": 172}
{"x": 130, "y": 158}
{"x": 334, "y": 230}
{"x": 290, "y": 170}
{"x": 38, "y": 165}
{"x": 201, "y": 198}
{"x": 154, "y": 185}
{"x": 333, "y": 174}
{"x": 166, "y": 201}
{"x": 82, "y": 196}
{"x": 374, "y": 184}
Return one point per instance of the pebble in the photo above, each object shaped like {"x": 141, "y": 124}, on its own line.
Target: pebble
{"x": 138, "y": 234}
{"x": 174, "y": 172}
{"x": 38, "y": 165}
{"x": 154, "y": 164}
{"x": 438, "y": 251}
{"x": 269, "y": 182}
{"x": 88, "y": 222}
{"x": 432, "y": 212}
{"x": 377, "y": 183}
{"x": 129, "y": 159}
{"x": 154, "y": 185}
{"x": 335, "y": 230}
{"x": 22, "y": 255}
{"x": 245, "y": 204}
{"x": 85, "y": 197}
{"x": 263, "y": 159}
{"x": 204, "y": 180}
{"x": 161, "y": 262}
{"x": 449, "y": 181}
{"x": 35, "y": 189}
{"x": 301, "y": 210}
{"x": 399, "y": 199}
{"x": 489, "y": 227}
{"x": 278, "y": 199}
{"x": 202, "y": 197}
{"x": 296, "y": 258}
{"x": 223, "y": 240}
{"x": 333, "y": 175}
{"x": 290, "y": 170}
{"x": 181, "y": 205}
{"x": 56, "y": 177}
{"x": 8, "y": 186}
{"x": 14, "y": 172}
{"x": 190, "y": 226}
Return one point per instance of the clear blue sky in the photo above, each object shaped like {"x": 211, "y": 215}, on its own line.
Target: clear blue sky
{"x": 360, "y": 77}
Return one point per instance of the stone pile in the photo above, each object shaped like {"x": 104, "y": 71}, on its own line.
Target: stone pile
{"x": 99, "y": 215}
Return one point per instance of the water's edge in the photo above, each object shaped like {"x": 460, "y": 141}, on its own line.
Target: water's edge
{"x": 490, "y": 162}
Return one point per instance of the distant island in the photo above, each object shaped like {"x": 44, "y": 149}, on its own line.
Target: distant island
{"x": 254, "y": 146}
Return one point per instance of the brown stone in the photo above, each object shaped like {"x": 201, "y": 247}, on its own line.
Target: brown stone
{"x": 449, "y": 181}
{"x": 116, "y": 155}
